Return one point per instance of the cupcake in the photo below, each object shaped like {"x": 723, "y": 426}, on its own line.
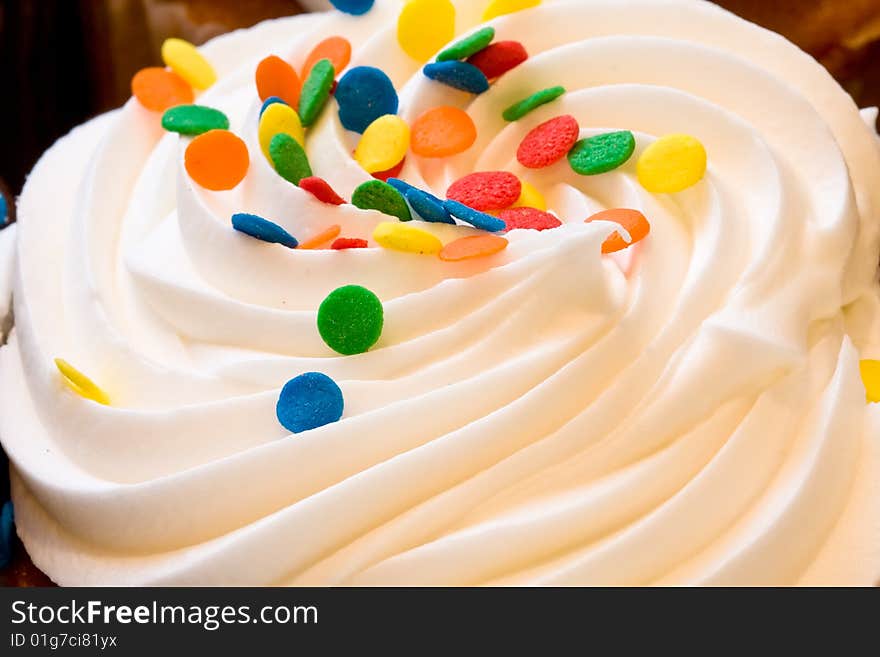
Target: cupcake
{"x": 468, "y": 304}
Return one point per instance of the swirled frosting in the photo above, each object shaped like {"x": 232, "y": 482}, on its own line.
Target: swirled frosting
{"x": 689, "y": 413}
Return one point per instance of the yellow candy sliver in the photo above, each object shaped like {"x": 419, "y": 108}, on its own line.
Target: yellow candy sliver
{"x": 500, "y": 7}
{"x": 406, "y": 238}
{"x": 530, "y": 197}
{"x": 870, "y": 370}
{"x": 425, "y": 26}
{"x": 384, "y": 144}
{"x": 80, "y": 383}
{"x": 278, "y": 118}
{"x": 672, "y": 164}
{"x": 183, "y": 58}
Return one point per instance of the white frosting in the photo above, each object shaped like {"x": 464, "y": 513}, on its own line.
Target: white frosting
{"x": 689, "y": 413}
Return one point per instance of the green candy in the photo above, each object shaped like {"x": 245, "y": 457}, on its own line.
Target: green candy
{"x": 518, "y": 110}
{"x": 377, "y": 195}
{"x": 470, "y": 45}
{"x": 316, "y": 91}
{"x": 289, "y": 158}
{"x": 194, "y": 119}
{"x": 601, "y": 153}
{"x": 350, "y": 320}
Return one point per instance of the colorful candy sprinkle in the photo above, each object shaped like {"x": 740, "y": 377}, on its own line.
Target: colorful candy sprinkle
{"x": 158, "y": 89}
{"x": 498, "y": 8}
{"x": 350, "y": 320}
{"x": 183, "y": 58}
{"x": 383, "y": 144}
{"x": 309, "y": 401}
{"x": 271, "y": 100}
{"x": 346, "y": 243}
{"x": 378, "y": 195}
{"x": 275, "y": 77}
{"x": 263, "y": 229}
{"x": 633, "y": 221}
{"x": 602, "y": 153}
{"x": 393, "y": 172}
{"x": 518, "y": 110}
{"x": 424, "y": 26}
{"x": 321, "y": 238}
{"x": 528, "y": 218}
{"x": 499, "y": 58}
{"x": 289, "y": 158}
{"x": 279, "y": 118}
{"x": 316, "y": 91}
{"x": 530, "y": 198}
{"x": 321, "y": 190}
{"x": 336, "y": 49}
{"x": 443, "y": 132}
{"x": 4, "y": 209}
{"x": 549, "y": 142}
{"x": 194, "y": 119}
{"x": 427, "y": 206}
{"x": 217, "y": 160}
{"x": 353, "y": 7}
{"x": 473, "y": 217}
{"x": 80, "y": 383}
{"x": 870, "y": 371}
{"x": 7, "y": 523}
{"x": 672, "y": 164}
{"x": 469, "y": 45}
{"x": 406, "y": 238}
{"x": 458, "y": 75}
{"x": 364, "y": 94}
{"x": 486, "y": 190}
{"x": 475, "y": 246}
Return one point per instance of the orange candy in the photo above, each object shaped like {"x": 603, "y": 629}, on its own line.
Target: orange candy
{"x": 476, "y": 246}
{"x": 633, "y": 221}
{"x": 275, "y": 77}
{"x": 442, "y": 131}
{"x": 159, "y": 89}
{"x": 336, "y": 49}
{"x": 322, "y": 238}
{"x": 217, "y": 160}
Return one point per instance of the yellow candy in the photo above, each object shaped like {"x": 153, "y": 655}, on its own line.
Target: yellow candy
{"x": 277, "y": 118}
{"x": 384, "y": 144}
{"x": 406, "y": 238}
{"x": 183, "y": 58}
{"x": 425, "y": 26}
{"x": 672, "y": 164}
{"x": 870, "y": 370}
{"x": 500, "y": 7}
{"x": 80, "y": 383}
{"x": 530, "y": 197}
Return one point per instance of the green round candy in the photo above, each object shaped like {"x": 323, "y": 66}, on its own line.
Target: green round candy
{"x": 527, "y": 105}
{"x": 602, "y": 153}
{"x": 350, "y": 320}
{"x": 378, "y": 195}
{"x": 194, "y": 119}
{"x": 289, "y": 158}
{"x": 470, "y": 45}
{"x": 316, "y": 92}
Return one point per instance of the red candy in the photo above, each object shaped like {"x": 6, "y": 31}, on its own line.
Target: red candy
{"x": 321, "y": 190}
{"x": 393, "y": 172}
{"x": 344, "y": 243}
{"x": 528, "y": 218}
{"x": 549, "y": 142}
{"x": 487, "y": 190}
{"x": 499, "y": 58}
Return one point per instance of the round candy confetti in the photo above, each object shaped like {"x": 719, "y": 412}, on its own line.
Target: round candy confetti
{"x": 346, "y": 243}
{"x": 406, "y": 238}
{"x": 475, "y": 246}
{"x": 499, "y": 58}
{"x": 4, "y": 210}
{"x": 442, "y": 132}
{"x": 549, "y": 142}
{"x": 279, "y": 118}
{"x": 530, "y": 198}
{"x": 289, "y": 158}
{"x": 183, "y": 58}
{"x": 271, "y": 100}
{"x": 217, "y": 160}
{"x": 428, "y": 206}
{"x": 309, "y": 401}
{"x": 336, "y": 49}
{"x": 378, "y": 195}
{"x": 393, "y": 172}
{"x": 157, "y": 89}
{"x": 424, "y": 26}
{"x": 7, "y": 531}
{"x": 870, "y": 371}
{"x": 350, "y": 320}
{"x": 80, "y": 383}
{"x": 486, "y": 190}
{"x": 602, "y": 153}
{"x": 364, "y": 94}
{"x": 321, "y": 238}
{"x": 383, "y": 144}
{"x": 458, "y": 75}
{"x": 633, "y": 221}
{"x": 316, "y": 91}
{"x": 321, "y": 190}
{"x": 672, "y": 164}
{"x": 353, "y": 7}
{"x": 473, "y": 217}
{"x": 501, "y": 7}
{"x": 263, "y": 229}
{"x": 469, "y": 45}
{"x": 518, "y": 110}
{"x": 528, "y": 218}
{"x": 194, "y": 119}
{"x": 275, "y": 77}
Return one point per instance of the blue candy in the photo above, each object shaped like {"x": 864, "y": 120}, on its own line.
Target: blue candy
{"x": 364, "y": 94}
{"x": 271, "y": 100}
{"x": 7, "y": 520}
{"x": 309, "y": 401}
{"x": 263, "y": 229}
{"x": 428, "y": 206}
{"x": 4, "y": 209}
{"x": 475, "y": 218}
{"x": 459, "y": 75}
{"x": 354, "y": 7}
